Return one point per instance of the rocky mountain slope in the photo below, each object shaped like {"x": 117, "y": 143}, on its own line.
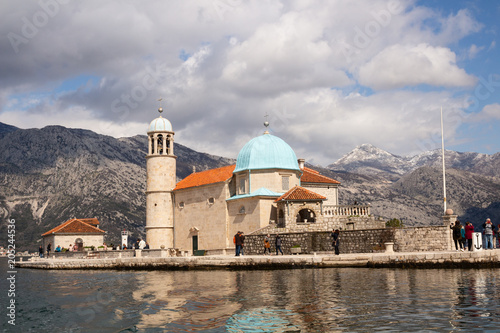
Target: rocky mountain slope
{"x": 411, "y": 188}
{"x": 55, "y": 173}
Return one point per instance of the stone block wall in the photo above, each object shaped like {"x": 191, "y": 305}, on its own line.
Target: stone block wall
{"x": 432, "y": 238}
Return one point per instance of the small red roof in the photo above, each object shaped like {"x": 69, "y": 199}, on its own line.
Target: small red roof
{"x": 300, "y": 193}
{"x": 313, "y": 176}
{"x": 75, "y": 226}
{"x": 206, "y": 177}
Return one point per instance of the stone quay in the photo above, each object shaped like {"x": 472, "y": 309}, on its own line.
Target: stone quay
{"x": 142, "y": 260}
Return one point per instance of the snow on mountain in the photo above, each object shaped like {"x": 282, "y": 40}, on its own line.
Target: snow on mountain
{"x": 368, "y": 159}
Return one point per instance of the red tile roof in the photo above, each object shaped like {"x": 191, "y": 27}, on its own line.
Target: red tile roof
{"x": 206, "y": 177}
{"x": 93, "y": 221}
{"x": 313, "y": 176}
{"x": 75, "y": 226}
{"x": 300, "y": 193}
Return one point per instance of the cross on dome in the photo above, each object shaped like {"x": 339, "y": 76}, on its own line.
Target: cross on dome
{"x": 266, "y": 124}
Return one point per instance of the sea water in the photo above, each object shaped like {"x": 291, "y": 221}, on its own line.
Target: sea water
{"x": 297, "y": 300}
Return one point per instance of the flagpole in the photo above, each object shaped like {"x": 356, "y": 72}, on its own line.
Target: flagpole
{"x": 442, "y": 150}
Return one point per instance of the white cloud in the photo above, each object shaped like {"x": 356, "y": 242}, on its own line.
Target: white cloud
{"x": 408, "y": 65}
{"x": 490, "y": 112}
{"x": 221, "y": 66}
{"x": 474, "y": 50}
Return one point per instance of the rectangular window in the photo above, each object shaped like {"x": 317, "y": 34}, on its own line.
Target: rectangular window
{"x": 285, "y": 183}
{"x": 242, "y": 186}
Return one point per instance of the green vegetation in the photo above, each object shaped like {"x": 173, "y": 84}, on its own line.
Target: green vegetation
{"x": 394, "y": 223}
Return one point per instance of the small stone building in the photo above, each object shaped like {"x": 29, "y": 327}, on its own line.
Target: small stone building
{"x": 83, "y": 232}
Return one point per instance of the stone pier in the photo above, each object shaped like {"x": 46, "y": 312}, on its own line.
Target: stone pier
{"x": 443, "y": 259}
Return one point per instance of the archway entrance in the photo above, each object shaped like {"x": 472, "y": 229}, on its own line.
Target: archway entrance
{"x": 79, "y": 244}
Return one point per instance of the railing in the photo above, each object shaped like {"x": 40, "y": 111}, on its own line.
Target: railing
{"x": 346, "y": 210}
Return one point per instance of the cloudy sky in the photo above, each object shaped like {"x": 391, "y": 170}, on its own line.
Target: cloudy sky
{"x": 330, "y": 75}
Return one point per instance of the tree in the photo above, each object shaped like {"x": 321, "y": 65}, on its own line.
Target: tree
{"x": 394, "y": 223}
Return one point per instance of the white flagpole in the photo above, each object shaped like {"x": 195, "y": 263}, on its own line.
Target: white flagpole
{"x": 442, "y": 150}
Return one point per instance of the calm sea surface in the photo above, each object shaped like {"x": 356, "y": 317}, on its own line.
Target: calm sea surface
{"x": 312, "y": 300}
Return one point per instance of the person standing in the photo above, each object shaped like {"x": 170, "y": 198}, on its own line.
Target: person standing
{"x": 267, "y": 245}
{"x": 462, "y": 238}
{"x": 488, "y": 234}
{"x": 49, "y": 247}
{"x": 457, "y": 234}
{"x": 242, "y": 237}
{"x": 336, "y": 241}
{"x": 277, "y": 242}
{"x": 142, "y": 244}
{"x": 469, "y": 229}
{"x": 40, "y": 251}
{"x": 237, "y": 242}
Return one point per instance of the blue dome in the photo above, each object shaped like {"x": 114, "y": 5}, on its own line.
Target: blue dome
{"x": 266, "y": 152}
{"x": 160, "y": 124}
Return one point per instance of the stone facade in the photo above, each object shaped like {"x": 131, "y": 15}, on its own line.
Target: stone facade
{"x": 270, "y": 179}
{"x": 328, "y": 191}
{"x": 433, "y": 238}
{"x": 325, "y": 223}
{"x": 64, "y": 240}
{"x": 200, "y": 212}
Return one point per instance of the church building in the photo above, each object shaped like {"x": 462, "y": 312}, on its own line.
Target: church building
{"x": 267, "y": 190}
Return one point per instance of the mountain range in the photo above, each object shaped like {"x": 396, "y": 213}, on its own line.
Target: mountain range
{"x": 50, "y": 175}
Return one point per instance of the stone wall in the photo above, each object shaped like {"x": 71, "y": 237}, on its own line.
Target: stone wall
{"x": 328, "y": 224}
{"x": 432, "y": 238}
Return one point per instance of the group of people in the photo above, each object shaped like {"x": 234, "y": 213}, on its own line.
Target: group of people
{"x": 462, "y": 235}
{"x": 140, "y": 244}
{"x": 239, "y": 240}
{"x": 277, "y": 244}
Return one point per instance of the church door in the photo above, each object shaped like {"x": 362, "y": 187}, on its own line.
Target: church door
{"x": 195, "y": 243}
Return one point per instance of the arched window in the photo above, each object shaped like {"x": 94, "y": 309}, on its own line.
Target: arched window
{"x": 306, "y": 215}
{"x": 160, "y": 144}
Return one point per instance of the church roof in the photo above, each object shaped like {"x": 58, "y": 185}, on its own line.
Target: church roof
{"x": 313, "y": 176}
{"x": 75, "y": 226}
{"x": 266, "y": 152}
{"x": 300, "y": 194}
{"x": 206, "y": 177}
{"x": 160, "y": 124}
{"x": 92, "y": 221}
{"x": 261, "y": 192}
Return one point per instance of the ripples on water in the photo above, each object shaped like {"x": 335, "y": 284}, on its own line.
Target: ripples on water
{"x": 308, "y": 300}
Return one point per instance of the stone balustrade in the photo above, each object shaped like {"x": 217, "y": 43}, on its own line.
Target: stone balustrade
{"x": 346, "y": 210}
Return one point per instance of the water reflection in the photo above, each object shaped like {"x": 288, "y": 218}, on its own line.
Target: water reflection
{"x": 324, "y": 300}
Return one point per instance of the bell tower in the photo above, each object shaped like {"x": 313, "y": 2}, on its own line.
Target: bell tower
{"x": 161, "y": 179}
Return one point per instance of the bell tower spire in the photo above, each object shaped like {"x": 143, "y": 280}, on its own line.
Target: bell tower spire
{"x": 160, "y": 180}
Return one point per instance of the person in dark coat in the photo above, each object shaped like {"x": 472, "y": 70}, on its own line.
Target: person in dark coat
{"x": 49, "y": 247}
{"x": 457, "y": 235}
{"x": 277, "y": 242}
{"x": 40, "y": 251}
{"x": 336, "y": 241}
